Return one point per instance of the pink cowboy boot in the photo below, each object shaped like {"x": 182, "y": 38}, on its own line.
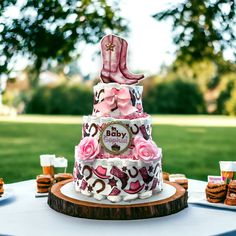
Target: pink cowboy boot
{"x": 111, "y": 49}
{"x": 123, "y": 67}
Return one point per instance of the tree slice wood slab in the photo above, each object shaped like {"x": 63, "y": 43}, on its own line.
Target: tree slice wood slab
{"x": 91, "y": 210}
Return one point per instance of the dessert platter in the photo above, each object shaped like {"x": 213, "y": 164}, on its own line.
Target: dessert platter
{"x": 118, "y": 167}
{"x": 220, "y": 191}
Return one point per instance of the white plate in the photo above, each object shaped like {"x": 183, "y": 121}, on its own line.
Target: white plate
{"x": 8, "y": 193}
{"x": 200, "y": 198}
{"x": 69, "y": 191}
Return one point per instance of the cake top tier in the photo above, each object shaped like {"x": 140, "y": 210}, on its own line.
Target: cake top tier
{"x": 114, "y": 56}
{"x": 118, "y": 100}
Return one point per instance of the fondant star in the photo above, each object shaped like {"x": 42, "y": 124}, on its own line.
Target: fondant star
{"x": 90, "y": 188}
{"x": 110, "y": 47}
{"x": 150, "y": 169}
{"x": 124, "y": 168}
{"x": 112, "y": 182}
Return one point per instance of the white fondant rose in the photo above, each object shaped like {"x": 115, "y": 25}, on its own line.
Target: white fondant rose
{"x": 87, "y": 149}
{"x": 146, "y": 150}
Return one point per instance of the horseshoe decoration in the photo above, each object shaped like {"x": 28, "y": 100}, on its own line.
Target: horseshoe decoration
{"x": 93, "y": 125}
{"x": 137, "y": 129}
{"x": 133, "y": 175}
{"x": 102, "y": 183}
{"x": 79, "y": 176}
{"x": 97, "y": 97}
{"x": 86, "y": 167}
{"x": 144, "y": 132}
{"x": 95, "y": 100}
{"x": 100, "y": 92}
{"x": 133, "y": 99}
{"x": 85, "y": 134}
{"x": 154, "y": 172}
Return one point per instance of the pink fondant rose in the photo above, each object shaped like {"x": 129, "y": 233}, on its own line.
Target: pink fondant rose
{"x": 146, "y": 150}
{"x": 87, "y": 149}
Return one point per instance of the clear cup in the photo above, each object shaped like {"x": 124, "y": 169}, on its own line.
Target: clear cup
{"x": 60, "y": 164}
{"x": 228, "y": 170}
{"x": 46, "y": 161}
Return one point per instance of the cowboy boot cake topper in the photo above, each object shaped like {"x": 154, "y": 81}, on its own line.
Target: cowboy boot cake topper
{"x": 114, "y": 57}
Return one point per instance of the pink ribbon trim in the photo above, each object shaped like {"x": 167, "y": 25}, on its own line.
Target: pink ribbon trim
{"x": 116, "y": 98}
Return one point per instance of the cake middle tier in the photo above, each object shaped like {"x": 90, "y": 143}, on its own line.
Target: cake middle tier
{"x": 116, "y": 135}
{"x": 117, "y": 100}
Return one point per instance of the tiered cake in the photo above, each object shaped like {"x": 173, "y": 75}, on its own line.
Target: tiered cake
{"x": 116, "y": 158}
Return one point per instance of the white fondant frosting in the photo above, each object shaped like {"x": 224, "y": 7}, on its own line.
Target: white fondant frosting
{"x": 118, "y": 179}
{"x": 92, "y": 125}
{"x": 115, "y": 173}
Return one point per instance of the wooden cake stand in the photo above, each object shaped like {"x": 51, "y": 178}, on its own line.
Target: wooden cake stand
{"x": 98, "y": 210}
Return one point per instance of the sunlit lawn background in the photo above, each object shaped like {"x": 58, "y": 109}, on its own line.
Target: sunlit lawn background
{"x": 49, "y": 65}
{"x": 194, "y": 151}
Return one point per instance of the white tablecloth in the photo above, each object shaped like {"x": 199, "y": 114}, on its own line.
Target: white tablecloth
{"x": 26, "y": 215}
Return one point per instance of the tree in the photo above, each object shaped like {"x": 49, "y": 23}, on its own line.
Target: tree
{"x": 203, "y": 29}
{"x": 49, "y": 31}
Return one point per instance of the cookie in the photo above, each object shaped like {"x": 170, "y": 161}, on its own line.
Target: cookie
{"x": 62, "y": 176}
{"x": 42, "y": 190}
{"x": 216, "y": 192}
{"x": 231, "y": 194}
{"x": 47, "y": 179}
{"x": 43, "y": 185}
{"x": 212, "y": 200}
{"x": 1, "y": 187}
{"x": 216, "y": 187}
{"x": 165, "y": 176}
{"x": 182, "y": 182}
{"x": 179, "y": 179}
{"x": 220, "y": 195}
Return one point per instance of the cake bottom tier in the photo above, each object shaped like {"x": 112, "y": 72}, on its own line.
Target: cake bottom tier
{"x": 118, "y": 179}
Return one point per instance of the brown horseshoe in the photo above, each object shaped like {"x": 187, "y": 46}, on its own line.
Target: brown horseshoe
{"x": 95, "y": 100}
{"x": 155, "y": 168}
{"x": 102, "y": 183}
{"x": 134, "y": 132}
{"x": 100, "y": 92}
{"x": 86, "y": 167}
{"x": 85, "y": 134}
{"x": 96, "y": 129}
{"x": 133, "y": 98}
{"x": 97, "y": 96}
{"x": 135, "y": 175}
{"x": 79, "y": 176}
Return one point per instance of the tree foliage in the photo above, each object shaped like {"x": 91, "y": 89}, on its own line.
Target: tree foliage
{"x": 174, "y": 97}
{"x": 202, "y": 28}
{"x": 51, "y": 30}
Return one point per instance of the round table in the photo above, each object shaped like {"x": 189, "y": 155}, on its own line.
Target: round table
{"x": 25, "y": 215}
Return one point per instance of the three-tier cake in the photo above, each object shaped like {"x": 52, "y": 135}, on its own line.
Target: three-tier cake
{"x": 116, "y": 158}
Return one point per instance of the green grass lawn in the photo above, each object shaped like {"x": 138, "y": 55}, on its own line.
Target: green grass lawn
{"x": 194, "y": 151}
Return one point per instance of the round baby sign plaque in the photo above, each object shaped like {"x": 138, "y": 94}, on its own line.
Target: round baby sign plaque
{"x": 115, "y": 137}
